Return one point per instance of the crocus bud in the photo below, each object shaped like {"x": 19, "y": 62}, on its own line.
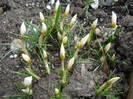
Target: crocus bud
{"x": 112, "y": 80}
{"x": 102, "y": 59}
{"x": 83, "y": 41}
{"x": 65, "y": 39}
{"x": 44, "y": 54}
{"x": 52, "y": 2}
{"x": 59, "y": 36}
{"x": 62, "y": 52}
{"x": 23, "y": 29}
{"x": 26, "y": 58}
{"x": 44, "y": 28}
{"x": 107, "y": 84}
{"x": 113, "y": 57}
{"x": 67, "y": 10}
{"x": 41, "y": 16}
{"x": 107, "y": 48}
{"x": 57, "y": 5}
{"x": 73, "y": 20}
{"x": 28, "y": 81}
{"x": 114, "y": 19}
{"x": 56, "y": 91}
{"x": 70, "y": 63}
{"x": 94, "y": 24}
{"x": 28, "y": 91}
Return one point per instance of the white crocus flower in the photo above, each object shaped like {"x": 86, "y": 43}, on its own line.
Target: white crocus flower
{"x": 83, "y": 41}
{"x": 70, "y": 63}
{"x": 41, "y": 16}
{"x": 23, "y": 29}
{"x": 73, "y": 20}
{"x": 94, "y": 24}
{"x": 28, "y": 81}
{"x": 57, "y": 5}
{"x": 62, "y": 52}
{"x": 44, "y": 28}
{"x": 67, "y": 10}
{"x": 114, "y": 19}
{"x": 26, "y": 58}
{"x": 28, "y": 91}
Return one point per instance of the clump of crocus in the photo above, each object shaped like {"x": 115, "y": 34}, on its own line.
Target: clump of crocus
{"x": 28, "y": 84}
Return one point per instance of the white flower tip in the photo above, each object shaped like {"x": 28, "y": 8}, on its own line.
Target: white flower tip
{"x": 44, "y": 54}
{"x": 62, "y": 52}
{"x": 67, "y": 10}
{"x": 83, "y": 41}
{"x": 70, "y": 63}
{"x": 41, "y": 16}
{"x": 26, "y": 58}
{"x": 23, "y": 29}
{"x": 73, "y": 20}
{"x": 94, "y": 24}
{"x": 65, "y": 39}
{"x": 28, "y": 81}
{"x": 114, "y": 19}
{"x": 57, "y": 5}
{"x": 113, "y": 80}
{"x": 44, "y": 28}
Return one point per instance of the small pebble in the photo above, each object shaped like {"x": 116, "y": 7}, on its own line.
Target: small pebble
{"x": 15, "y": 56}
{"x": 11, "y": 56}
{"x": 48, "y": 7}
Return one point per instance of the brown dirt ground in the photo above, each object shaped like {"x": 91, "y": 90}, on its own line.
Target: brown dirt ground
{"x": 82, "y": 78}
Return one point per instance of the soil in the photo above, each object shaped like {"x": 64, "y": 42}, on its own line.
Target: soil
{"x": 82, "y": 79}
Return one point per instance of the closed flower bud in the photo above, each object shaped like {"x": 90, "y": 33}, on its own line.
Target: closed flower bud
{"x": 67, "y": 10}
{"x": 102, "y": 59}
{"x": 94, "y": 24}
{"x": 113, "y": 57}
{"x": 56, "y": 91}
{"x": 26, "y": 58}
{"x": 62, "y": 52}
{"x": 44, "y": 54}
{"x": 107, "y": 48}
{"x": 73, "y": 20}
{"x": 57, "y": 5}
{"x": 23, "y": 29}
{"x": 41, "y": 16}
{"x": 28, "y": 81}
{"x": 70, "y": 63}
{"x": 107, "y": 84}
{"x": 114, "y": 19}
{"x": 83, "y": 41}
{"x": 65, "y": 39}
{"x": 28, "y": 91}
{"x": 44, "y": 28}
{"x": 112, "y": 80}
{"x": 59, "y": 36}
